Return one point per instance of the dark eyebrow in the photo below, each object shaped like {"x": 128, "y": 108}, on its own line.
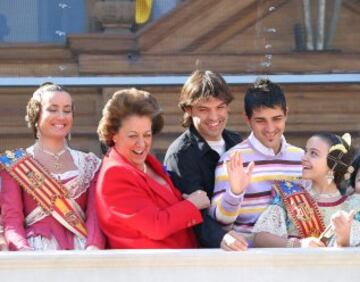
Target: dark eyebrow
{"x": 313, "y": 149}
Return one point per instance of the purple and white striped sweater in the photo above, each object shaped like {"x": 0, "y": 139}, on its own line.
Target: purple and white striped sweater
{"x": 240, "y": 212}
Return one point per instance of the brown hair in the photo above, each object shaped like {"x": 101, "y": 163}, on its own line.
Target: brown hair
{"x": 33, "y": 107}
{"x": 264, "y": 93}
{"x": 203, "y": 85}
{"x": 125, "y": 103}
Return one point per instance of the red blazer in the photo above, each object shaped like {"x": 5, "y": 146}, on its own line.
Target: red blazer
{"x": 136, "y": 212}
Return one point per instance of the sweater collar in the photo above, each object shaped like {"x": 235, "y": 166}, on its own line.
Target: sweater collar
{"x": 265, "y": 150}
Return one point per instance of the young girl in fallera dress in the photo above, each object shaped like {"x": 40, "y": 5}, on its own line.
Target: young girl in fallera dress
{"x": 326, "y": 163}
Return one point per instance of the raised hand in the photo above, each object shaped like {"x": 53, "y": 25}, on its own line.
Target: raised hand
{"x": 341, "y": 223}
{"x": 239, "y": 177}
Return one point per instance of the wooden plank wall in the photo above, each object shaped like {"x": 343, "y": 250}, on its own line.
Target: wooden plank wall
{"x": 14, "y": 132}
{"x": 31, "y": 59}
{"x": 313, "y": 108}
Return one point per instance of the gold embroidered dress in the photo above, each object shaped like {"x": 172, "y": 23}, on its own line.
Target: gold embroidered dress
{"x": 275, "y": 219}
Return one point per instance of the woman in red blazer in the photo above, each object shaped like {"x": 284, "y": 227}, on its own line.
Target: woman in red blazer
{"x": 137, "y": 204}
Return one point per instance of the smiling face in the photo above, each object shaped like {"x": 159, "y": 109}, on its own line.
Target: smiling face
{"x": 268, "y": 125}
{"x": 56, "y": 117}
{"x": 209, "y": 117}
{"x": 314, "y": 161}
{"x": 133, "y": 139}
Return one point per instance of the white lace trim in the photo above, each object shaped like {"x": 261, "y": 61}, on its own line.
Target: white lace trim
{"x": 36, "y": 215}
{"x": 87, "y": 163}
{"x": 272, "y": 220}
{"x": 41, "y": 243}
{"x": 66, "y": 175}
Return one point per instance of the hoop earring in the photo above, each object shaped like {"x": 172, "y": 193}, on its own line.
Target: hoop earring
{"x": 330, "y": 177}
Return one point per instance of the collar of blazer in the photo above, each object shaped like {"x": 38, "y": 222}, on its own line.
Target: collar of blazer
{"x": 171, "y": 195}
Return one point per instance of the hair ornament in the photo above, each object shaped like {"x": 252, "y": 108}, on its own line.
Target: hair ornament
{"x": 338, "y": 147}
{"x": 348, "y": 173}
{"x": 350, "y": 169}
{"x": 37, "y": 95}
{"x": 347, "y": 138}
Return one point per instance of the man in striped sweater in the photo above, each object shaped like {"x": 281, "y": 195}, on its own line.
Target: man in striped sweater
{"x": 265, "y": 156}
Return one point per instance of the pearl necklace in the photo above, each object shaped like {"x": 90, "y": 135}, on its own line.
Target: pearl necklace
{"x": 324, "y": 196}
{"x": 56, "y": 156}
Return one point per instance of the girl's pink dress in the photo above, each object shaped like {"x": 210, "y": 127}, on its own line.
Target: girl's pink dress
{"x": 25, "y": 224}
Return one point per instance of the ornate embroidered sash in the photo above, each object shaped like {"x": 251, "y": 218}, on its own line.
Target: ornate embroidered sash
{"x": 301, "y": 208}
{"x": 47, "y": 192}
{"x": 38, "y": 213}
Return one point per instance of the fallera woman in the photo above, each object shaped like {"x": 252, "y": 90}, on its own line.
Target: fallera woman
{"x": 48, "y": 189}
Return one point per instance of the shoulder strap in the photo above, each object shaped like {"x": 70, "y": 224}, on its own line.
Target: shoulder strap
{"x": 47, "y": 192}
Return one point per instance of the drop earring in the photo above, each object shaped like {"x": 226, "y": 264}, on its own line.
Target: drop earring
{"x": 69, "y": 136}
{"x": 37, "y": 131}
{"x": 330, "y": 177}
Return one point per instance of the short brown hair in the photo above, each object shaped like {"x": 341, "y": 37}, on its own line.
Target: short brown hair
{"x": 203, "y": 85}
{"x": 125, "y": 103}
{"x": 33, "y": 107}
{"x": 264, "y": 93}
